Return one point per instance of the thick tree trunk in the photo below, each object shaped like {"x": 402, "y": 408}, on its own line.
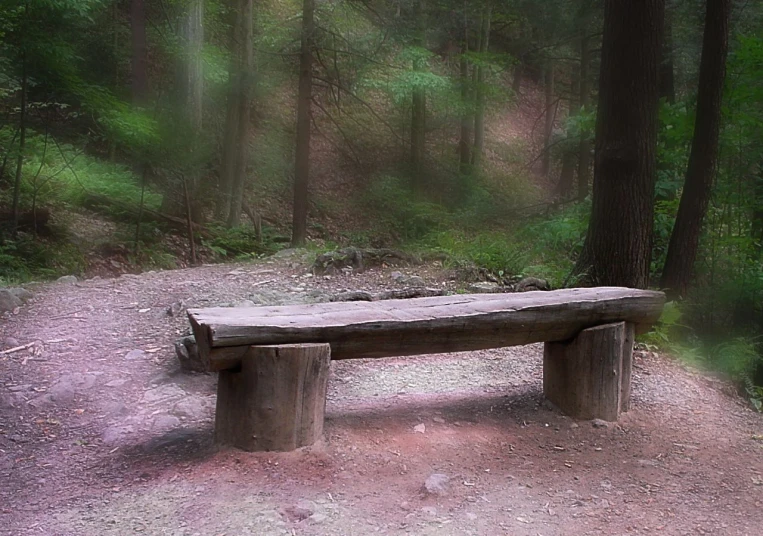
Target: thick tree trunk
{"x": 304, "y": 100}
{"x": 584, "y": 149}
{"x": 548, "y": 128}
{"x": 618, "y": 246}
{"x": 419, "y": 107}
{"x": 236, "y": 138}
{"x": 479, "y": 115}
{"x": 190, "y": 87}
{"x": 703, "y": 160}
{"x": 244, "y": 107}
{"x": 667, "y": 76}
{"x": 139, "y": 65}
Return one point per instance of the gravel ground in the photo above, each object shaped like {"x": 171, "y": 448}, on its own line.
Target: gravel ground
{"x": 101, "y": 433}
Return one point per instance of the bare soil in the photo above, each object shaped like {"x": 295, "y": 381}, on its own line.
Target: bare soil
{"x": 101, "y": 433}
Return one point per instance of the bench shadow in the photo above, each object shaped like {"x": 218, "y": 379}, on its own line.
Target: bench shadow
{"x": 518, "y": 407}
{"x": 179, "y": 446}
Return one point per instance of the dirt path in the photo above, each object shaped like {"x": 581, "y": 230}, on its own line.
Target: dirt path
{"x": 100, "y": 433}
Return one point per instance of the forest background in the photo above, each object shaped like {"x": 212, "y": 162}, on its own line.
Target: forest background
{"x": 140, "y": 134}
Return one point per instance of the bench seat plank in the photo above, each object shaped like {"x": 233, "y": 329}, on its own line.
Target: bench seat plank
{"x": 420, "y": 325}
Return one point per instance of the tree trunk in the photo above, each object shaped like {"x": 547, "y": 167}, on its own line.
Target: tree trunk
{"x": 190, "y": 87}
{"x": 465, "y": 140}
{"x": 22, "y": 144}
{"x": 419, "y": 107}
{"x": 246, "y": 53}
{"x": 139, "y": 66}
{"x": 479, "y": 115}
{"x": 667, "y": 76}
{"x": 618, "y": 247}
{"x": 584, "y": 150}
{"x": 703, "y": 160}
{"x": 236, "y": 137}
{"x": 548, "y": 128}
{"x": 567, "y": 175}
{"x": 304, "y": 100}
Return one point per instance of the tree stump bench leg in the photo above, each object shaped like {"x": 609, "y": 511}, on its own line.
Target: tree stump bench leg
{"x": 276, "y": 401}
{"x": 589, "y": 377}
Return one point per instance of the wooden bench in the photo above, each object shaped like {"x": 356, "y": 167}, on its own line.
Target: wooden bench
{"x": 274, "y": 361}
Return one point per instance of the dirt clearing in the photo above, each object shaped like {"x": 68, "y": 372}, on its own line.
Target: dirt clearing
{"x": 101, "y": 433}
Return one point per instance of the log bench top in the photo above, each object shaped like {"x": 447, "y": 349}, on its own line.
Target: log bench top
{"x": 420, "y": 325}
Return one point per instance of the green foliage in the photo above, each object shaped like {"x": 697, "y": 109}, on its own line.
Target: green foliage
{"x": 24, "y": 259}
{"x": 241, "y": 242}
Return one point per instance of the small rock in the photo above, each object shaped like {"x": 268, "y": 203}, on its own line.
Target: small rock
{"x": 439, "y": 420}
{"x": 21, "y": 293}
{"x": 532, "y": 283}
{"x": 484, "y": 287}
{"x": 163, "y": 392}
{"x": 67, "y": 279}
{"x": 574, "y": 425}
{"x": 176, "y": 309}
{"x": 116, "y": 383}
{"x": 62, "y": 392}
{"x": 135, "y": 354}
{"x": 10, "y": 342}
{"x": 114, "y": 434}
{"x": 420, "y": 428}
{"x": 436, "y": 484}
{"x": 188, "y": 354}
{"x": 193, "y": 408}
{"x": 317, "y": 518}
{"x": 8, "y": 302}
{"x": 165, "y": 423}
{"x": 599, "y": 423}
{"x": 396, "y": 276}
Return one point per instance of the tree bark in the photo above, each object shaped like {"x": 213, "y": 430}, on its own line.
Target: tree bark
{"x": 465, "y": 140}
{"x": 304, "y": 100}
{"x": 479, "y": 114}
{"x": 190, "y": 88}
{"x": 703, "y": 159}
{"x": 618, "y": 247}
{"x": 236, "y": 149}
{"x": 667, "y": 76}
{"x": 567, "y": 175}
{"x": 139, "y": 65}
{"x": 277, "y": 401}
{"x": 548, "y": 128}
{"x": 22, "y": 143}
{"x": 419, "y": 107}
{"x": 584, "y": 149}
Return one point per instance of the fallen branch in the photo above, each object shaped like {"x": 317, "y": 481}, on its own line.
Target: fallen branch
{"x": 18, "y": 348}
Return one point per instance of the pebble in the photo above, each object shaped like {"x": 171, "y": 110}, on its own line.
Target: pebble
{"x": 420, "y": 428}
{"x": 599, "y": 423}
{"x": 134, "y": 354}
{"x": 436, "y": 484}
{"x": 67, "y": 279}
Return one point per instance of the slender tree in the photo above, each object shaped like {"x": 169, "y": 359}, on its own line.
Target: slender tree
{"x": 703, "y": 159}
{"x": 479, "y": 114}
{"x": 139, "y": 65}
{"x": 617, "y": 248}
{"x": 667, "y": 75}
{"x": 584, "y": 148}
{"x": 419, "y": 104}
{"x": 304, "y": 100}
{"x": 550, "y": 111}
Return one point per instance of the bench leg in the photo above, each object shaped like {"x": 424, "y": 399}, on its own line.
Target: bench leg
{"x": 276, "y": 401}
{"x": 589, "y": 377}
